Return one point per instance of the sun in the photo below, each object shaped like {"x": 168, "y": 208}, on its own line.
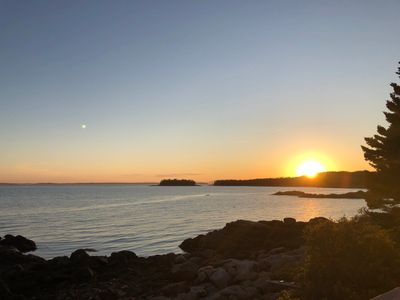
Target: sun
{"x": 310, "y": 168}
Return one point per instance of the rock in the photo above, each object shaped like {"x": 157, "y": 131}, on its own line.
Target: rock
{"x": 207, "y": 253}
{"x": 196, "y": 260}
{"x": 277, "y": 250}
{"x": 12, "y": 273}
{"x": 184, "y": 271}
{"x": 204, "y": 274}
{"x": 289, "y": 221}
{"x": 262, "y": 284}
{"x": 175, "y": 288}
{"x": 180, "y": 259}
{"x": 60, "y": 261}
{"x": 79, "y": 257}
{"x": 83, "y": 274}
{"x": 283, "y": 260}
{"x": 220, "y": 278}
{"x": 195, "y": 293}
{"x": 393, "y": 294}
{"x": 276, "y": 285}
{"x": 235, "y": 291}
{"x": 198, "y": 291}
{"x": 10, "y": 257}
{"x": 5, "y": 293}
{"x": 122, "y": 257}
{"x": 241, "y": 239}
{"x": 19, "y": 242}
{"x": 186, "y": 296}
{"x": 251, "y": 291}
{"x": 240, "y": 270}
{"x": 107, "y": 294}
{"x": 98, "y": 261}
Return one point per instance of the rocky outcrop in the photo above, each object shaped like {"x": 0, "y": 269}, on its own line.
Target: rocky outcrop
{"x": 241, "y": 239}
{"x": 18, "y": 242}
{"x": 350, "y": 195}
{"x": 244, "y": 260}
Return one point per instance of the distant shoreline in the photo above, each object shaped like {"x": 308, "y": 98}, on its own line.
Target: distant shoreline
{"x": 339, "y": 179}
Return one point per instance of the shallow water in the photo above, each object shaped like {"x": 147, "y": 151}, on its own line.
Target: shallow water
{"x": 146, "y": 219}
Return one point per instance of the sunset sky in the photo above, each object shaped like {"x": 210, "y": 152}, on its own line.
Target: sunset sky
{"x": 135, "y": 91}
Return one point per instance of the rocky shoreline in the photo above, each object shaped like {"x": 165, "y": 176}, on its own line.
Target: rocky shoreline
{"x": 244, "y": 260}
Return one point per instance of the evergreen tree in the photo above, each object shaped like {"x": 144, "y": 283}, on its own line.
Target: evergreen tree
{"x": 383, "y": 153}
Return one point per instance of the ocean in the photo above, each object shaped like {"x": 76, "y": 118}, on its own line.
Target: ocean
{"x": 146, "y": 219}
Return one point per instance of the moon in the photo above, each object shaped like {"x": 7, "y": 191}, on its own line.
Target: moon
{"x": 83, "y": 126}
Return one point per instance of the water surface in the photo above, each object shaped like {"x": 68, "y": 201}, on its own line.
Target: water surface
{"x": 146, "y": 219}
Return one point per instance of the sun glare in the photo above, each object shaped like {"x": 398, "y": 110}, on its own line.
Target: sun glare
{"x": 310, "y": 168}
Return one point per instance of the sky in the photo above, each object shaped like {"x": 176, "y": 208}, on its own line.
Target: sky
{"x": 137, "y": 91}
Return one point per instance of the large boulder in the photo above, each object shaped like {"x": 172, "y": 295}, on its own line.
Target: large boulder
{"x": 390, "y": 295}
{"x": 19, "y": 242}
{"x": 241, "y": 239}
{"x": 240, "y": 270}
{"x": 79, "y": 257}
{"x": 184, "y": 271}
{"x": 220, "y": 278}
{"x": 10, "y": 257}
{"x": 122, "y": 258}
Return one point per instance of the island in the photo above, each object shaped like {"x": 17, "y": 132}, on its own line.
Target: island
{"x": 177, "y": 182}
{"x": 300, "y": 194}
{"x": 340, "y": 179}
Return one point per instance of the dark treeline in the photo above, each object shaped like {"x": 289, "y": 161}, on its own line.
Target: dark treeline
{"x": 343, "y": 179}
{"x": 177, "y": 182}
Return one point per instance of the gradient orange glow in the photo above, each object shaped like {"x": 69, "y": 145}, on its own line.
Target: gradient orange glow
{"x": 310, "y": 168}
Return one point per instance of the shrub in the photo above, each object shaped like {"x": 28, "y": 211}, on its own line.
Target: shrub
{"x": 349, "y": 260}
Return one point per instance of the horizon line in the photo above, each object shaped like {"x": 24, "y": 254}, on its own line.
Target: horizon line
{"x": 157, "y": 182}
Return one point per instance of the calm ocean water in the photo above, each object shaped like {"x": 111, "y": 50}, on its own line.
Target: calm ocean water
{"x": 146, "y": 219}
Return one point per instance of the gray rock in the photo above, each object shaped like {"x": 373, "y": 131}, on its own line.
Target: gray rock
{"x": 175, "y": 288}
{"x": 184, "y": 271}
{"x": 198, "y": 291}
{"x": 122, "y": 257}
{"x": 276, "y": 250}
{"x": 186, "y": 296}
{"x": 220, "y": 278}
{"x": 204, "y": 273}
{"x": 262, "y": 283}
{"x": 235, "y": 291}
{"x": 279, "y": 261}
{"x": 79, "y": 257}
{"x": 83, "y": 274}
{"x": 19, "y": 242}
{"x": 195, "y": 292}
{"x": 251, "y": 291}
{"x": 391, "y": 295}
{"x": 60, "y": 261}
{"x": 180, "y": 259}
{"x": 241, "y": 270}
{"x": 5, "y": 293}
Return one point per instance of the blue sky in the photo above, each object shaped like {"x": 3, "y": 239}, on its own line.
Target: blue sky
{"x": 215, "y": 89}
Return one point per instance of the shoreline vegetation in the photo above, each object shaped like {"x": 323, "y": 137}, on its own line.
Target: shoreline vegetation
{"x": 341, "y": 179}
{"x": 177, "y": 182}
{"x": 277, "y": 260}
{"x": 300, "y": 194}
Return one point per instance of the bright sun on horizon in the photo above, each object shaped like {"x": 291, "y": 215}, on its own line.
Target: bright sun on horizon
{"x": 310, "y": 168}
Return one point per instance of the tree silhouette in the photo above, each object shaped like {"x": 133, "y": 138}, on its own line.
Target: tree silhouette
{"x": 383, "y": 153}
